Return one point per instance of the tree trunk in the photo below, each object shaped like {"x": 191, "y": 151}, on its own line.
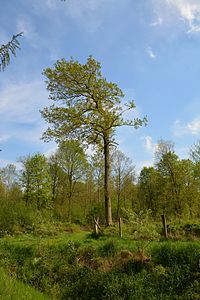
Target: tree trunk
{"x": 70, "y": 208}
{"x": 164, "y": 226}
{"x": 118, "y": 205}
{"x": 108, "y": 210}
{"x": 120, "y": 227}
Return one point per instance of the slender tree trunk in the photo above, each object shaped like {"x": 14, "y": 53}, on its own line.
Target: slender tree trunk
{"x": 70, "y": 208}
{"x": 118, "y": 193}
{"x": 120, "y": 227}
{"x": 118, "y": 205}
{"x": 108, "y": 209}
{"x": 70, "y": 200}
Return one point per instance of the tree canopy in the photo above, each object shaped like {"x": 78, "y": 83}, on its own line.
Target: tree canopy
{"x": 86, "y": 107}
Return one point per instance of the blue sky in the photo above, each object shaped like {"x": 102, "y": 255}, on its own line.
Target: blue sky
{"x": 150, "y": 48}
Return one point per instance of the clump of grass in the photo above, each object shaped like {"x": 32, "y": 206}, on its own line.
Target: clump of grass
{"x": 170, "y": 254}
{"x": 109, "y": 249}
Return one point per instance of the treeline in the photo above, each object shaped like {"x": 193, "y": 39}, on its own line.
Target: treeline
{"x": 70, "y": 184}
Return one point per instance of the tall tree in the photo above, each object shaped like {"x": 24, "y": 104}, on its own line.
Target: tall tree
{"x": 7, "y": 49}
{"x": 73, "y": 162}
{"x": 88, "y": 108}
{"x": 123, "y": 169}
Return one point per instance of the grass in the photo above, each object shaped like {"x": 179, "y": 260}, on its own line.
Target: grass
{"x": 12, "y": 289}
{"x": 77, "y": 266}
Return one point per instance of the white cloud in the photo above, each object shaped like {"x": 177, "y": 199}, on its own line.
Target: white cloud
{"x": 189, "y": 11}
{"x": 142, "y": 164}
{"x": 179, "y": 129}
{"x": 4, "y": 137}
{"x": 192, "y": 127}
{"x": 151, "y": 53}
{"x": 149, "y": 145}
{"x": 19, "y": 111}
{"x": 172, "y": 12}
{"x": 20, "y": 102}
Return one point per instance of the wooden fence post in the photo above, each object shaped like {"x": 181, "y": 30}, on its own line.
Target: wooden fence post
{"x": 96, "y": 226}
{"x": 164, "y": 226}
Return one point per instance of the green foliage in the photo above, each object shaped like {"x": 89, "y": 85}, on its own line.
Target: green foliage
{"x": 91, "y": 105}
{"x": 36, "y": 181}
{"x": 7, "y": 49}
{"x": 142, "y": 227}
{"x": 184, "y": 230}
{"x": 86, "y": 107}
{"x": 71, "y": 269}
{"x": 109, "y": 249}
{"x": 95, "y": 211}
{"x": 15, "y": 218}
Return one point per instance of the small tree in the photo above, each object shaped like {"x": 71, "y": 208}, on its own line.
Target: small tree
{"x": 36, "y": 181}
{"x": 89, "y": 108}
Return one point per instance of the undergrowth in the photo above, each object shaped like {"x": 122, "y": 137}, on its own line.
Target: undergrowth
{"x": 79, "y": 267}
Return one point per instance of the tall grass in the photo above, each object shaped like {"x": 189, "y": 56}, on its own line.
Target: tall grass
{"x": 75, "y": 266}
{"x": 12, "y": 289}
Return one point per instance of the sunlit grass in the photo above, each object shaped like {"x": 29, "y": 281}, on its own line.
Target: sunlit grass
{"x": 12, "y": 289}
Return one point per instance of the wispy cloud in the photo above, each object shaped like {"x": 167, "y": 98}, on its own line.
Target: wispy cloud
{"x": 4, "y": 137}
{"x": 192, "y": 127}
{"x": 89, "y": 14}
{"x": 21, "y": 102}
{"x": 172, "y": 12}
{"x": 19, "y": 111}
{"x": 149, "y": 145}
{"x": 25, "y": 25}
{"x": 142, "y": 164}
{"x": 157, "y": 22}
{"x": 189, "y": 11}
{"x": 151, "y": 53}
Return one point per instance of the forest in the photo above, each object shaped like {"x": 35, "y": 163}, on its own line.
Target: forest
{"x": 81, "y": 223}
{"x": 69, "y": 186}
